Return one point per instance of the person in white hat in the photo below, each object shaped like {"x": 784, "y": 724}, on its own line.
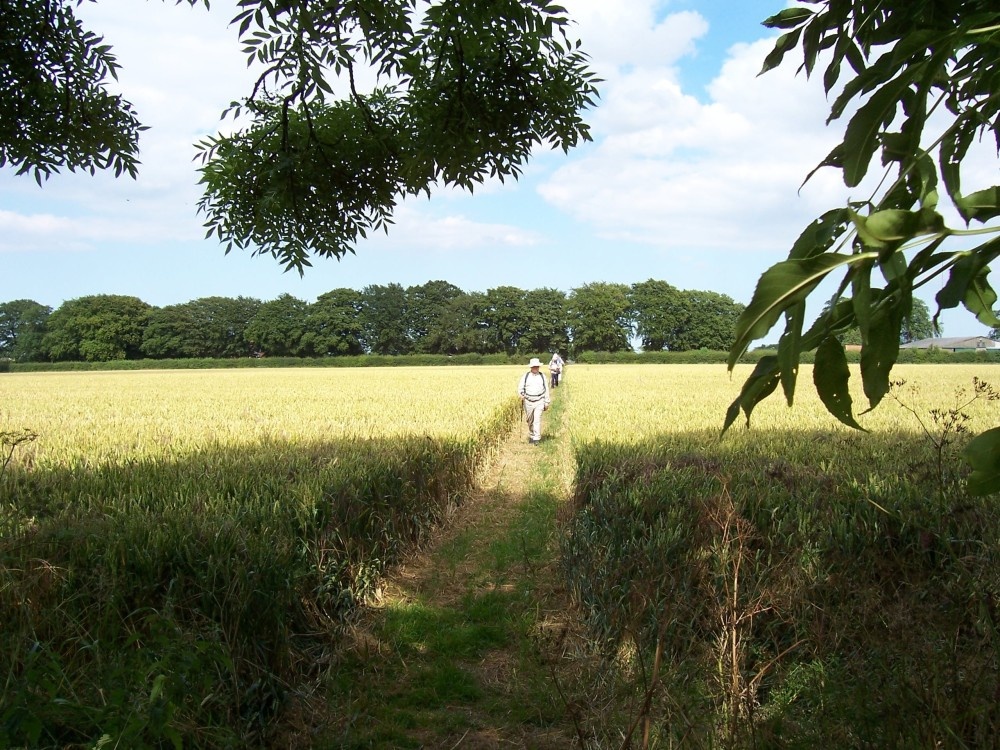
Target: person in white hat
{"x": 555, "y": 369}
{"x": 534, "y": 393}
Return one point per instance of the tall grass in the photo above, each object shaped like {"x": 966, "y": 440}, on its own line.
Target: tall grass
{"x": 797, "y": 584}
{"x": 178, "y": 551}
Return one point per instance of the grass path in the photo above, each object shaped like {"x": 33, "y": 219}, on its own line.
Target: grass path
{"x": 467, "y": 647}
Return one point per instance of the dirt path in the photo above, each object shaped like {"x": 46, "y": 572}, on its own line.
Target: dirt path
{"x": 468, "y": 645}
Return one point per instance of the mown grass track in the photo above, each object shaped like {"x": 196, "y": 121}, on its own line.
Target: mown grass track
{"x": 465, "y": 645}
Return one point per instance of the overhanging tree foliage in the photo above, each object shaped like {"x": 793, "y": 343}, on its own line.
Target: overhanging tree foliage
{"x": 55, "y": 110}
{"x": 923, "y": 86}
{"x": 464, "y": 90}
{"x": 918, "y": 325}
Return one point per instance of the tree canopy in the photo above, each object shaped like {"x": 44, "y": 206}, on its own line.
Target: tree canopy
{"x": 55, "y": 110}
{"x": 334, "y": 323}
{"x": 464, "y": 91}
{"x": 22, "y": 327}
{"x": 212, "y": 327}
{"x": 601, "y": 317}
{"x": 431, "y": 318}
{"x": 679, "y": 320}
{"x": 920, "y": 86}
{"x": 96, "y": 328}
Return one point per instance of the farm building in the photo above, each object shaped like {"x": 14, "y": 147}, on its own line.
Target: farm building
{"x": 954, "y": 344}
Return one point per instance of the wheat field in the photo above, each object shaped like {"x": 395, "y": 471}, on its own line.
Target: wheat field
{"x": 103, "y": 417}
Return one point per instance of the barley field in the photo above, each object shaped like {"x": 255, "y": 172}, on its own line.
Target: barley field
{"x": 115, "y": 416}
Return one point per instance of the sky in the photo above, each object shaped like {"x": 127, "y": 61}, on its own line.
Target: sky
{"x": 694, "y": 176}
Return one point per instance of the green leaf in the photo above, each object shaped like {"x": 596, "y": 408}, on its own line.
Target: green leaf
{"x": 868, "y": 238}
{"x": 982, "y": 205}
{"x": 789, "y": 18}
{"x": 881, "y": 348}
{"x": 928, "y": 188}
{"x": 862, "y": 135}
{"x": 980, "y": 299}
{"x": 855, "y": 58}
{"x": 894, "y": 224}
{"x": 955, "y": 143}
{"x": 834, "y": 159}
{"x": 780, "y": 287}
{"x": 837, "y": 319}
{"x": 968, "y": 283}
{"x": 983, "y": 455}
{"x": 761, "y": 384}
{"x": 812, "y": 44}
{"x": 157, "y": 689}
{"x": 784, "y": 43}
{"x": 831, "y": 376}
{"x": 889, "y": 229}
{"x": 861, "y": 301}
{"x": 820, "y": 235}
{"x": 831, "y": 75}
{"x": 789, "y": 347}
{"x": 894, "y": 266}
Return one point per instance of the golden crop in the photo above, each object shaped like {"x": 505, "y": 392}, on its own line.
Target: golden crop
{"x": 799, "y": 544}
{"x": 113, "y": 417}
{"x": 631, "y": 403}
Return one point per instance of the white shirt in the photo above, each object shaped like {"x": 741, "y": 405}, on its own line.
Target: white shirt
{"x": 533, "y": 387}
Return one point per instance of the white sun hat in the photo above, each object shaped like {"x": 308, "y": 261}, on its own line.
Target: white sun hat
{"x": 534, "y": 362}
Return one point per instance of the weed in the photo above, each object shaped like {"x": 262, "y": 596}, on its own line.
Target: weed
{"x": 946, "y": 429}
{"x": 10, "y": 441}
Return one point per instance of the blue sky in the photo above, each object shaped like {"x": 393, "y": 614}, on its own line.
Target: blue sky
{"x": 693, "y": 176}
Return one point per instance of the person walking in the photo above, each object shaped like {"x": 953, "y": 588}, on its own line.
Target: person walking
{"x": 534, "y": 393}
{"x": 555, "y": 369}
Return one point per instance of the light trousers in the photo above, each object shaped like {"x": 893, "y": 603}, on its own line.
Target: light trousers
{"x": 533, "y": 416}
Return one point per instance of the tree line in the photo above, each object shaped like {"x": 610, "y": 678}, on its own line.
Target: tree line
{"x": 432, "y": 318}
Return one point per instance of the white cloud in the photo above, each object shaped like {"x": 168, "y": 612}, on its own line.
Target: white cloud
{"x": 619, "y": 35}
{"x": 38, "y": 224}
{"x": 45, "y": 232}
{"x": 421, "y": 231}
{"x": 679, "y": 173}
